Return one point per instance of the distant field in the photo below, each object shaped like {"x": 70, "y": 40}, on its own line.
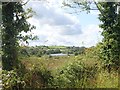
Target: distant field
{"x": 60, "y": 47}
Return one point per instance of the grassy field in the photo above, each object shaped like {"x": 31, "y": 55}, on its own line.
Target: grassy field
{"x": 102, "y": 78}
{"x": 51, "y": 63}
{"x": 60, "y": 47}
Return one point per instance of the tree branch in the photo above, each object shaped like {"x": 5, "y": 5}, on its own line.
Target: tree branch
{"x": 98, "y": 7}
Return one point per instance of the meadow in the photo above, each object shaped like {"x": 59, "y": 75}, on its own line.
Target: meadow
{"x": 85, "y": 70}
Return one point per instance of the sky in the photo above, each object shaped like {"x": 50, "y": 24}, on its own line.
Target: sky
{"x": 57, "y": 25}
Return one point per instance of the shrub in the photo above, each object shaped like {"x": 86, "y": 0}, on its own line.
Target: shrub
{"x": 11, "y": 80}
{"x": 37, "y": 77}
{"x": 75, "y": 75}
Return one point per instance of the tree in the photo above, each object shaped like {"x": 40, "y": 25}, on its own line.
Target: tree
{"x": 14, "y": 22}
{"x": 110, "y": 48}
{"x": 111, "y": 25}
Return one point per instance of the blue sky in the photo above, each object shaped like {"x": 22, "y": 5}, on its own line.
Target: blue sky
{"x": 88, "y": 18}
{"x": 55, "y": 26}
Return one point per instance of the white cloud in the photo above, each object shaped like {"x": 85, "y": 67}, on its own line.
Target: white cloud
{"x": 89, "y": 37}
{"x": 54, "y": 27}
{"x": 92, "y": 35}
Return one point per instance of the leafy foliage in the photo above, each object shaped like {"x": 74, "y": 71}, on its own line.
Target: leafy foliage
{"x": 14, "y": 22}
{"x": 74, "y": 75}
{"x": 24, "y": 78}
{"x": 110, "y": 48}
{"x": 37, "y": 77}
{"x": 11, "y": 81}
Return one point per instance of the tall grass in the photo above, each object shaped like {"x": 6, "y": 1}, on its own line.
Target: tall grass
{"x": 107, "y": 80}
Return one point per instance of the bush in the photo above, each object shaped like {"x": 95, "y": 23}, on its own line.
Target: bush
{"x": 75, "y": 75}
{"x": 37, "y": 77}
{"x": 11, "y": 80}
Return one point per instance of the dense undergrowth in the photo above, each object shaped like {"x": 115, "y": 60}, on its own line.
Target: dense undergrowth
{"x": 82, "y": 71}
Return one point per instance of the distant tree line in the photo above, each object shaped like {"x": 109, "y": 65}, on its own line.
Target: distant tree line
{"x": 46, "y": 50}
